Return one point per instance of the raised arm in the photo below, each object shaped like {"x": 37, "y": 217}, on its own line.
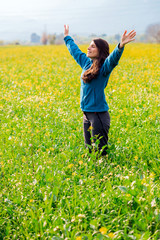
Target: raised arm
{"x": 113, "y": 59}
{"x": 74, "y": 50}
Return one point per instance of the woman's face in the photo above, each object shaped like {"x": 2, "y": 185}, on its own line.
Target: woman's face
{"x": 92, "y": 51}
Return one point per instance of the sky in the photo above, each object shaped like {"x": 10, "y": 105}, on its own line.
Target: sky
{"x": 20, "y": 18}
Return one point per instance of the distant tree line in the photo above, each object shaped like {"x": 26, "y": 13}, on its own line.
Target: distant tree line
{"x": 47, "y": 38}
{"x": 152, "y": 35}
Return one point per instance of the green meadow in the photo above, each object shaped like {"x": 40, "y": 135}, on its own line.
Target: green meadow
{"x": 50, "y": 186}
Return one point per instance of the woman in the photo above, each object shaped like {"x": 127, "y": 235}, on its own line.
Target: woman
{"x": 96, "y": 66}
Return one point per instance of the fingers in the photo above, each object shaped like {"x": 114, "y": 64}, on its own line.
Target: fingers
{"x": 66, "y": 29}
{"x": 124, "y": 32}
{"x": 131, "y": 39}
{"x": 132, "y": 34}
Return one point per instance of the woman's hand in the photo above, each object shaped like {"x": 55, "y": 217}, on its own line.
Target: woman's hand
{"x": 66, "y": 30}
{"x": 126, "y": 38}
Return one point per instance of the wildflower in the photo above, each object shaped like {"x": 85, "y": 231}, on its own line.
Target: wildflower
{"x": 70, "y": 165}
{"x": 110, "y": 174}
{"x": 74, "y": 174}
{"x": 44, "y": 224}
{"x": 52, "y": 149}
{"x": 105, "y": 177}
{"x": 78, "y": 238}
{"x": 111, "y": 235}
{"x": 56, "y": 229}
{"x": 128, "y": 195}
{"x": 143, "y": 181}
{"x": 80, "y": 162}
{"x": 73, "y": 219}
{"x": 153, "y": 203}
{"x": 90, "y": 128}
{"x": 81, "y": 216}
{"x": 135, "y": 157}
{"x": 80, "y": 181}
{"x": 152, "y": 175}
{"x": 103, "y": 230}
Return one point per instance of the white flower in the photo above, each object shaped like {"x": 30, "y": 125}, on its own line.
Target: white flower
{"x": 80, "y": 181}
{"x": 34, "y": 182}
{"x": 153, "y": 203}
{"x": 81, "y": 216}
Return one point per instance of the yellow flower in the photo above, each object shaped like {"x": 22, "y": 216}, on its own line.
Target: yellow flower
{"x": 80, "y": 162}
{"x": 103, "y": 230}
{"x": 128, "y": 195}
{"x": 135, "y": 157}
{"x": 111, "y": 235}
{"x": 70, "y": 165}
{"x": 143, "y": 181}
{"x": 90, "y": 128}
{"x": 74, "y": 174}
{"x": 152, "y": 175}
{"x": 52, "y": 149}
{"x": 78, "y": 238}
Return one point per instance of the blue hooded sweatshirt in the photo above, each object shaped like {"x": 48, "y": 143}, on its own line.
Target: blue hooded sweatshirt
{"x": 92, "y": 93}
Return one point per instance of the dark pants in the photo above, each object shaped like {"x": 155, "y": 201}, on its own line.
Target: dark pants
{"x": 96, "y": 125}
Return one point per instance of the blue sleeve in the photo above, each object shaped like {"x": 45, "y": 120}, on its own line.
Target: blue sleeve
{"x": 76, "y": 53}
{"x": 112, "y": 60}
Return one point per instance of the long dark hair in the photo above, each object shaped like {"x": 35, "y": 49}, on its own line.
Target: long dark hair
{"x": 93, "y": 71}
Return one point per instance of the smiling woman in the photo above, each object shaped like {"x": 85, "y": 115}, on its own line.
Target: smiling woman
{"x": 92, "y": 51}
{"x": 97, "y": 66}
{"x": 98, "y": 51}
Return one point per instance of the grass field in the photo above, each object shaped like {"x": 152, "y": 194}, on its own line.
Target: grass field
{"x": 50, "y": 188}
